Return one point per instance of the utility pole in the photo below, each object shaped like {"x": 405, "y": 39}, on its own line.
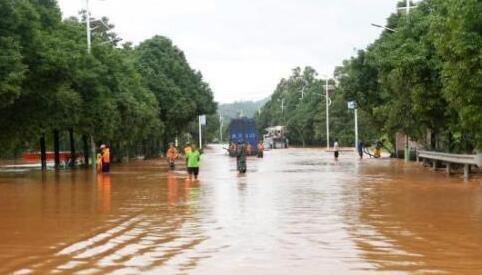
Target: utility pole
{"x": 202, "y": 121}
{"x": 87, "y": 26}
{"x": 407, "y": 7}
{"x": 327, "y": 116}
{"x": 200, "y": 134}
{"x": 356, "y": 127}
{"x": 221, "y": 121}
{"x": 305, "y": 83}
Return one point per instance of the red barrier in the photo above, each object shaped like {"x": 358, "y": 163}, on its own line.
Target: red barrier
{"x": 35, "y": 157}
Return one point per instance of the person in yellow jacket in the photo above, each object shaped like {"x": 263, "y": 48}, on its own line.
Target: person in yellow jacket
{"x": 105, "y": 151}
{"x": 187, "y": 150}
{"x": 98, "y": 162}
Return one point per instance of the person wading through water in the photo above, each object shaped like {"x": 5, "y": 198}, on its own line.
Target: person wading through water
{"x": 260, "y": 150}
{"x": 241, "y": 152}
{"x": 193, "y": 158}
{"x": 336, "y": 148}
{"x": 105, "y": 152}
{"x": 187, "y": 149}
{"x": 360, "y": 146}
{"x": 171, "y": 156}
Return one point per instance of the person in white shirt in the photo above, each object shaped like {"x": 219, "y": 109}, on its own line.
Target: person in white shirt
{"x": 336, "y": 148}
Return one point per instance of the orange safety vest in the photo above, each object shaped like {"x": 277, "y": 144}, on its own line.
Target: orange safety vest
{"x": 171, "y": 153}
{"x": 106, "y": 155}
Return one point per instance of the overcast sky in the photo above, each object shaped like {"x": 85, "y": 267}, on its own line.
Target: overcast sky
{"x": 244, "y": 47}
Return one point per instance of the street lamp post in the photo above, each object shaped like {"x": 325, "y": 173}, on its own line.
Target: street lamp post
{"x": 88, "y": 30}
{"x": 327, "y": 109}
{"x": 383, "y": 27}
{"x": 89, "y": 51}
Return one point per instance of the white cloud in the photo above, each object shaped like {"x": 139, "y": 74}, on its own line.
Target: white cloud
{"x": 244, "y": 47}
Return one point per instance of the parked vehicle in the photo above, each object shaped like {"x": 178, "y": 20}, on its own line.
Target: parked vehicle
{"x": 275, "y": 138}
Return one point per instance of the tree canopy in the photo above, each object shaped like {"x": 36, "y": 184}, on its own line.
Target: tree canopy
{"x": 122, "y": 95}
{"x": 423, "y": 79}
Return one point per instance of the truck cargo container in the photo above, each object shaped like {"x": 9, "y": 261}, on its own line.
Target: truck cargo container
{"x": 244, "y": 130}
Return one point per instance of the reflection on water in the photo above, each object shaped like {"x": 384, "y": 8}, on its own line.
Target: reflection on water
{"x": 104, "y": 192}
{"x": 295, "y": 211}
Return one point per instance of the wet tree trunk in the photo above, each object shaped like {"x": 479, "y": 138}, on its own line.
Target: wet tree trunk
{"x": 57, "y": 148}
{"x": 43, "y": 151}
{"x": 85, "y": 141}
{"x": 72, "y": 147}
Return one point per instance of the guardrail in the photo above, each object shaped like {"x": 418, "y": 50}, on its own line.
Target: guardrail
{"x": 466, "y": 160}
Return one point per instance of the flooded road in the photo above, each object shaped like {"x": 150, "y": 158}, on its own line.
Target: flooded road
{"x": 296, "y": 212}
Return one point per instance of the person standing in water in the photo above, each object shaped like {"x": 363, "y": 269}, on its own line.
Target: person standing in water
{"x": 241, "y": 152}
{"x": 187, "y": 149}
{"x": 105, "y": 152}
{"x": 98, "y": 162}
{"x": 336, "y": 148}
{"x": 193, "y": 158}
{"x": 260, "y": 150}
{"x": 360, "y": 149}
{"x": 171, "y": 155}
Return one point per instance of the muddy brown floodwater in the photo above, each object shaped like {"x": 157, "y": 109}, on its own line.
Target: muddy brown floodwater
{"x": 295, "y": 212}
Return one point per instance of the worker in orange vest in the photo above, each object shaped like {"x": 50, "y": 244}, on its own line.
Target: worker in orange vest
{"x": 260, "y": 149}
{"x": 171, "y": 155}
{"x": 105, "y": 151}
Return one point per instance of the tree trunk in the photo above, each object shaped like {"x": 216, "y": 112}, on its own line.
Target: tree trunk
{"x": 302, "y": 137}
{"x": 43, "y": 153}
{"x": 72, "y": 147}
{"x": 85, "y": 141}
{"x": 57, "y": 148}
{"x": 433, "y": 140}
{"x": 450, "y": 141}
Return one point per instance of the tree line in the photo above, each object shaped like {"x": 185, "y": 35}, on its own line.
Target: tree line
{"x": 299, "y": 103}
{"x": 135, "y": 98}
{"x": 422, "y": 77}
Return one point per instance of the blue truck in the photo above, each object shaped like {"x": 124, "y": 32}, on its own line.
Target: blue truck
{"x": 244, "y": 130}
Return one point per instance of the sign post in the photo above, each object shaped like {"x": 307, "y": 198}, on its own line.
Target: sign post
{"x": 352, "y": 105}
{"x": 202, "y": 122}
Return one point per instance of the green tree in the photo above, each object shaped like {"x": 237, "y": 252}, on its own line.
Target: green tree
{"x": 457, "y": 35}
{"x": 181, "y": 93}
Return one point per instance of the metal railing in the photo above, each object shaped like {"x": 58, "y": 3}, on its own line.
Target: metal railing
{"x": 466, "y": 160}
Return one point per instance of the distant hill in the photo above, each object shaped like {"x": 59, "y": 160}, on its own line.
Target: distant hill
{"x": 245, "y": 108}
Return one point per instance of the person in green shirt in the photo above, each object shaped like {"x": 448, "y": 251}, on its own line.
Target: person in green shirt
{"x": 193, "y": 159}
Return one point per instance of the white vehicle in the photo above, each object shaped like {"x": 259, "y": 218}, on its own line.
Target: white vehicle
{"x": 275, "y": 138}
